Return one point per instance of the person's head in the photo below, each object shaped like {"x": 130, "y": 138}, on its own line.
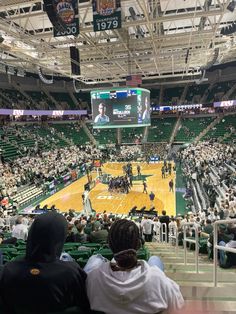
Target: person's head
{"x": 80, "y": 227}
{"x": 102, "y": 109}
{"x": 46, "y": 238}
{"x": 19, "y": 220}
{"x": 163, "y": 212}
{"x": 124, "y": 241}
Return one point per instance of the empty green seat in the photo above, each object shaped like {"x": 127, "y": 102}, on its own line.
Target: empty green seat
{"x": 143, "y": 253}
{"x": 106, "y": 252}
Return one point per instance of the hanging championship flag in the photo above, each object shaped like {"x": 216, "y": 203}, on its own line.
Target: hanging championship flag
{"x": 67, "y": 14}
{"x": 106, "y": 15}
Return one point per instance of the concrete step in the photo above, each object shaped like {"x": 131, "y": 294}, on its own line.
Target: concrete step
{"x": 208, "y": 293}
{"x": 208, "y": 284}
{"x": 213, "y": 307}
{"x": 194, "y": 278}
{"x": 202, "y": 266}
{"x": 180, "y": 259}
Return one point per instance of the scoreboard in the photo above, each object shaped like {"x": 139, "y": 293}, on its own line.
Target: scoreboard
{"x": 124, "y": 107}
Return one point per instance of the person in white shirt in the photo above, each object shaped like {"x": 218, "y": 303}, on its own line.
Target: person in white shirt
{"x": 157, "y": 229}
{"x": 127, "y": 285}
{"x": 147, "y": 229}
{"x": 2, "y": 221}
{"x": 20, "y": 231}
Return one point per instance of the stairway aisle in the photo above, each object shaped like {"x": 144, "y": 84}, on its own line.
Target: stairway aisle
{"x": 198, "y": 288}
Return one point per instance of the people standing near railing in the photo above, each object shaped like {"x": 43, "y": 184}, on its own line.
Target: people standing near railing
{"x": 165, "y": 219}
{"x": 147, "y": 228}
{"x": 224, "y": 236}
{"x": 156, "y": 229}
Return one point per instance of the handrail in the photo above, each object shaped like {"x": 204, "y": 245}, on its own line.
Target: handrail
{"x": 219, "y": 247}
{"x": 174, "y": 234}
{"x": 185, "y": 240}
{"x": 164, "y": 232}
{"x": 160, "y": 233}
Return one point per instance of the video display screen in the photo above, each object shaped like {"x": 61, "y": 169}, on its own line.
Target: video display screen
{"x": 125, "y": 107}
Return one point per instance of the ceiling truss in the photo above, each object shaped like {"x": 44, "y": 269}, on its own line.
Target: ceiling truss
{"x": 167, "y": 38}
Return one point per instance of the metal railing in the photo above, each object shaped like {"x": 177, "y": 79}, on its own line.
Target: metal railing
{"x": 192, "y": 226}
{"x": 164, "y": 232}
{"x": 217, "y": 247}
{"x": 161, "y": 233}
{"x": 173, "y": 236}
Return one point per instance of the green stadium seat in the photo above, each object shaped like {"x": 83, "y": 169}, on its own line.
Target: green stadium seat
{"x": 71, "y": 245}
{"x": 221, "y": 129}
{"x": 143, "y": 253}
{"x": 161, "y": 129}
{"x": 106, "y": 252}
{"x": 191, "y": 128}
{"x": 77, "y": 254}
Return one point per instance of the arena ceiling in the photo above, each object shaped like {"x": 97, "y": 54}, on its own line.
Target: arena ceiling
{"x": 165, "y": 38}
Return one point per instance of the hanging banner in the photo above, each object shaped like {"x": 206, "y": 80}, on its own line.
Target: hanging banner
{"x": 67, "y": 13}
{"x": 106, "y": 15}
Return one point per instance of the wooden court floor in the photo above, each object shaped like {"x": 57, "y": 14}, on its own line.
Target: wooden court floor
{"x": 71, "y": 196}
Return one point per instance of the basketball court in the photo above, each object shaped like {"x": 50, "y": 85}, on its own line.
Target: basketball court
{"x": 71, "y": 196}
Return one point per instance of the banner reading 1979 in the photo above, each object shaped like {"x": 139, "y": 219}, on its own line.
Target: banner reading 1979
{"x": 67, "y": 12}
{"x": 106, "y": 15}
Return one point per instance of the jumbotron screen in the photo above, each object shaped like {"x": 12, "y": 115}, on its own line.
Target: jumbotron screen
{"x": 124, "y": 107}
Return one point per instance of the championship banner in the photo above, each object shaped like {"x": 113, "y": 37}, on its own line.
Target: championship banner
{"x": 67, "y": 13}
{"x": 106, "y": 15}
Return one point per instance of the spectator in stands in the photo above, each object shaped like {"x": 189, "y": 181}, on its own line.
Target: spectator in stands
{"x": 147, "y": 228}
{"x": 41, "y": 283}
{"x": 165, "y": 219}
{"x": 156, "y": 228}
{"x": 20, "y": 230}
{"x": 10, "y": 240}
{"x": 126, "y": 284}
{"x": 207, "y": 229}
{"x": 224, "y": 236}
{"x": 81, "y": 237}
{"x": 2, "y": 221}
{"x": 99, "y": 235}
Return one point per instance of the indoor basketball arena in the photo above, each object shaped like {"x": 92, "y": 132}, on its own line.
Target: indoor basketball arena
{"x": 117, "y": 156}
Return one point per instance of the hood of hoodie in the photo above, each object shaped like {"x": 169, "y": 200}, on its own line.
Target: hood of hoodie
{"x": 125, "y": 286}
{"x": 46, "y": 238}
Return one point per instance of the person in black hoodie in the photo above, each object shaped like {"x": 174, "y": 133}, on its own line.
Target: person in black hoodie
{"x": 41, "y": 283}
